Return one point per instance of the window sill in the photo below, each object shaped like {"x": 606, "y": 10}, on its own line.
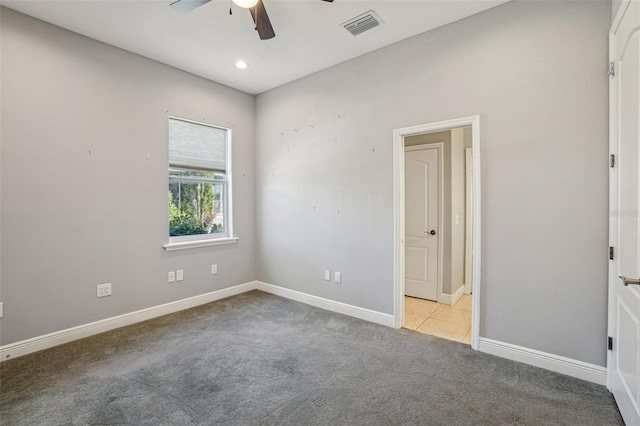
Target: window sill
{"x": 184, "y": 245}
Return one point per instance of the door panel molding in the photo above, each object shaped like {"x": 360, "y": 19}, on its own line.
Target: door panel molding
{"x": 423, "y": 271}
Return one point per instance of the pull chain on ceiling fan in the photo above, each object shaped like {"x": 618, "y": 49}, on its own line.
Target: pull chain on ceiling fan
{"x": 256, "y": 8}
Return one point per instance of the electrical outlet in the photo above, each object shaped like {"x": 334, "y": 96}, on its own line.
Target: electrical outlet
{"x": 179, "y": 275}
{"x": 214, "y": 269}
{"x": 1, "y": 310}
{"x": 103, "y": 290}
{"x": 327, "y": 275}
{"x": 171, "y": 277}
{"x": 338, "y": 276}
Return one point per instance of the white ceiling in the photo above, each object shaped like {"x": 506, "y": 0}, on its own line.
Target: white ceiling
{"x": 208, "y": 41}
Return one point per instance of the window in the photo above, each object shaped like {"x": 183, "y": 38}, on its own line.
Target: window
{"x": 199, "y": 184}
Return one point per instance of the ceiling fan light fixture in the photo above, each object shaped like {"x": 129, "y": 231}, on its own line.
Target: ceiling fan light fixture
{"x": 242, "y": 65}
{"x": 245, "y": 4}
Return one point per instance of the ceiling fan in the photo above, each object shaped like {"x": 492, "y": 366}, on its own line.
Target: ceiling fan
{"x": 256, "y": 7}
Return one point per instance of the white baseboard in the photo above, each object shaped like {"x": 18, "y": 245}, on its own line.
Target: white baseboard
{"x": 451, "y": 299}
{"x": 581, "y": 370}
{"x": 329, "y": 305}
{"x": 46, "y": 341}
{"x": 559, "y": 364}
{"x": 50, "y": 340}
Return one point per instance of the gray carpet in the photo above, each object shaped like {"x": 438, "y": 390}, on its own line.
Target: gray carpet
{"x": 257, "y": 359}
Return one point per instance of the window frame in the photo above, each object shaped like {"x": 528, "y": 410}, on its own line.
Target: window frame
{"x": 203, "y": 240}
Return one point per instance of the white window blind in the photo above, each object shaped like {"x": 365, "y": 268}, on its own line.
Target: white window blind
{"x": 197, "y": 146}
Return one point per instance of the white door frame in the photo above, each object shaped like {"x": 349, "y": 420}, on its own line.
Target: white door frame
{"x": 398, "y": 216}
{"x": 440, "y": 147}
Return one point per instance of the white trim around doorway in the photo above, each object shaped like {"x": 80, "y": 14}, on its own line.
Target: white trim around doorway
{"x": 398, "y": 219}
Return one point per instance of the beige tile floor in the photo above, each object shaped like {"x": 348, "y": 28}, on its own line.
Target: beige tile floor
{"x": 450, "y": 322}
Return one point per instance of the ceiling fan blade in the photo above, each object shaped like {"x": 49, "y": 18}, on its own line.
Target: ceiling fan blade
{"x": 261, "y": 19}
{"x": 330, "y": 1}
{"x": 184, "y": 6}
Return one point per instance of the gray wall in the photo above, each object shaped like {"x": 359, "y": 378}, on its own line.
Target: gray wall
{"x": 72, "y": 220}
{"x": 535, "y": 72}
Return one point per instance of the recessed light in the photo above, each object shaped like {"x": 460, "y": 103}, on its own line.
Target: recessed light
{"x": 242, "y": 64}
{"x": 245, "y": 3}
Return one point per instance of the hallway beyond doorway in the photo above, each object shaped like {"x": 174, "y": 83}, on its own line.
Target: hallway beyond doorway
{"x": 436, "y": 319}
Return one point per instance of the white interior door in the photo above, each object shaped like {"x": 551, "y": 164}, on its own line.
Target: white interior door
{"x": 624, "y": 288}
{"x": 421, "y": 222}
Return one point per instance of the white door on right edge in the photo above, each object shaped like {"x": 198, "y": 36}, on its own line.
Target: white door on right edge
{"x": 624, "y": 277}
{"x": 422, "y": 199}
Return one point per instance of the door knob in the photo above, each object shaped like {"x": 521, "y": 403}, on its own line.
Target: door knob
{"x": 627, "y": 281}
{"x": 432, "y": 232}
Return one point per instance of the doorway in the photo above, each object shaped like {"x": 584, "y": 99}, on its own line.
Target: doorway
{"x": 419, "y": 159}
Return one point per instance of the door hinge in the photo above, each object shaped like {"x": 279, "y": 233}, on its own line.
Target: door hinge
{"x": 610, "y": 343}
{"x": 613, "y": 160}
{"x": 612, "y": 70}
{"x": 610, "y": 253}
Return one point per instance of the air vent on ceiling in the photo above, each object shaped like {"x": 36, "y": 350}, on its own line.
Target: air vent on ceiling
{"x": 362, "y": 23}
